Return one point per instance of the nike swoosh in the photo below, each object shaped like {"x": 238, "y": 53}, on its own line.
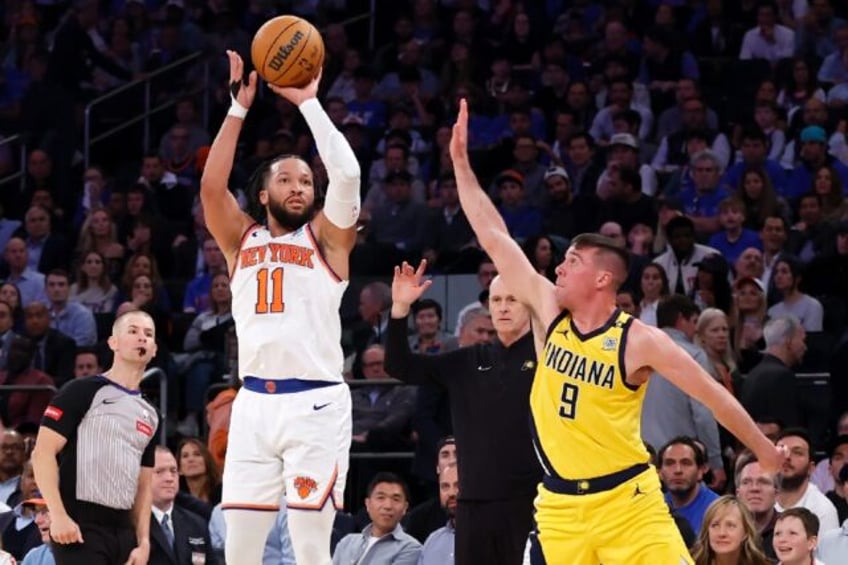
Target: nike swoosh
{"x": 482, "y": 368}
{"x": 320, "y": 406}
{"x": 111, "y": 400}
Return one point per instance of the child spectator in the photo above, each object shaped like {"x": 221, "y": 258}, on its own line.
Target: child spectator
{"x": 733, "y": 238}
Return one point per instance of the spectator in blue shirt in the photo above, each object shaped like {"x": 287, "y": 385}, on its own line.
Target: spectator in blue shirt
{"x": 733, "y": 239}
{"x": 439, "y": 547}
{"x": 834, "y": 68}
{"x": 71, "y": 318}
{"x": 383, "y": 541}
{"x": 196, "y": 298}
{"x": 522, "y": 220}
{"x": 682, "y": 466}
{"x": 812, "y": 156}
{"x": 754, "y": 154}
{"x": 43, "y": 554}
{"x": 29, "y": 283}
{"x": 700, "y": 203}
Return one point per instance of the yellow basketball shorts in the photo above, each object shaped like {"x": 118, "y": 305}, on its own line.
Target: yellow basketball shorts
{"x": 629, "y": 524}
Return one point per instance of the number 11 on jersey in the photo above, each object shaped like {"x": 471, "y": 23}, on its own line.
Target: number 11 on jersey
{"x": 273, "y": 304}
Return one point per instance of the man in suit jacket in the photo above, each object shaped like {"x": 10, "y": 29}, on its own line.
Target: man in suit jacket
{"x": 55, "y": 352}
{"x": 47, "y": 250}
{"x": 177, "y": 536}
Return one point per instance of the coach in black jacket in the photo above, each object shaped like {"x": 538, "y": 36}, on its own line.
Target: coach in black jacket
{"x": 489, "y": 390}
{"x": 177, "y": 536}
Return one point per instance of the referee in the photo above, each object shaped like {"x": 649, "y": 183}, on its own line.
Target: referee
{"x": 489, "y": 390}
{"x": 93, "y": 458}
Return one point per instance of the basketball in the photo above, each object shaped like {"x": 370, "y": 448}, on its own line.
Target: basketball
{"x": 287, "y": 51}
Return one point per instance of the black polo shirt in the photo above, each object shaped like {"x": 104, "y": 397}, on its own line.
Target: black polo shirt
{"x": 489, "y": 390}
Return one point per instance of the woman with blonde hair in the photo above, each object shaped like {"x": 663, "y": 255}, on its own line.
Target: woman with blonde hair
{"x": 712, "y": 332}
{"x": 728, "y": 536}
{"x": 100, "y": 233}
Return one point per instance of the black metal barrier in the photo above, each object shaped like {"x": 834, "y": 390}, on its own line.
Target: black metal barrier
{"x": 163, "y": 400}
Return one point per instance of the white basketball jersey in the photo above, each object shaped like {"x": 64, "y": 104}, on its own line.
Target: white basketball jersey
{"x": 286, "y": 302}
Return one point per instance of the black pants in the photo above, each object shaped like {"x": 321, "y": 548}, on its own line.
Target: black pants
{"x": 493, "y": 532}
{"x": 103, "y": 545}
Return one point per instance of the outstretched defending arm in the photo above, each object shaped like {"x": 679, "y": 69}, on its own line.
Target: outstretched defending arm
{"x": 650, "y": 347}
{"x": 342, "y": 201}
{"x": 224, "y": 218}
{"x": 491, "y": 231}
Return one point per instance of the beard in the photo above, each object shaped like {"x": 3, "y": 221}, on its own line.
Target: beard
{"x": 290, "y": 221}
{"x": 793, "y": 482}
{"x": 683, "y": 492}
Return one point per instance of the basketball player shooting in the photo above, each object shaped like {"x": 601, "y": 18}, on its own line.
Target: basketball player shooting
{"x": 291, "y": 421}
{"x": 599, "y": 501}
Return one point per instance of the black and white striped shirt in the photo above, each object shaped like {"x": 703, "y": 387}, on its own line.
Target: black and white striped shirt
{"x": 110, "y": 432}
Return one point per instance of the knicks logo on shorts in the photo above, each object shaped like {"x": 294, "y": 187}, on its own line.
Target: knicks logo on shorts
{"x": 305, "y": 486}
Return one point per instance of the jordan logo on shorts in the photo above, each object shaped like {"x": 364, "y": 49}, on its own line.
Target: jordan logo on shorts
{"x": 637, "y": 491}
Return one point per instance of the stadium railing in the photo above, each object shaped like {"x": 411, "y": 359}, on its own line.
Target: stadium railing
{"x": 149, "y": 374}
{"x": 146, "y": 83}
{"x": 20, "y": 174}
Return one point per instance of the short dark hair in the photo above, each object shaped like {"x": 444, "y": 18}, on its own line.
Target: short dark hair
{"x": 671, "y": 307}
{"x": 809, "y": 520}
{"x": 840, "y": 440}
{"x": 754, "y": 133}
{"x": 700, "y": 455}
{"x": 632, "y": 117}
{"x": 630, "y": 176}
{"x": 427, "y": 304}
{"x": 777, "y": 217}
{"x": 257, "y": 181}
{"x": 590, "y": 141}
{"x": 59, "y": 273}
{"x": 800, "y": 433}
{"x": 606, "y": 246}
{"x": 390, "y": 478}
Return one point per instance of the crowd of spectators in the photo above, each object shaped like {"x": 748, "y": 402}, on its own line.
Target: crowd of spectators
{"x": 706, "y": 136}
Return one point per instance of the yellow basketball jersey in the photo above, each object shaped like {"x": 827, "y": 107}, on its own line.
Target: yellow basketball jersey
{"x": 586, "y": 418}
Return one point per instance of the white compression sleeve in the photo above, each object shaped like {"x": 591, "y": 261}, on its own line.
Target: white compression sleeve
{"x": 342, "y": 203}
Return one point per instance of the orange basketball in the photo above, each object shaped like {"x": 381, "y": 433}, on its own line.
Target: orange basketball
{"x": 287, "y": 51}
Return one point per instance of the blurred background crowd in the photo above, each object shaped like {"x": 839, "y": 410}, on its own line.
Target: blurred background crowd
{"x": 706, "y": 136}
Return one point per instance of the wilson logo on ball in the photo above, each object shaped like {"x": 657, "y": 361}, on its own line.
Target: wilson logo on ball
{"x": 283, "y": 52}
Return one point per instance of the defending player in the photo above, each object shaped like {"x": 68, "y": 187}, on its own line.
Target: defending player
{"x": 291, "y": 422}
{"x": 599, "y": 500}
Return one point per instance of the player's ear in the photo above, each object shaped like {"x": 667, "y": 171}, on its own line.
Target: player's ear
{"x": 263, "y": 197}
{"x": 112, "y": 341}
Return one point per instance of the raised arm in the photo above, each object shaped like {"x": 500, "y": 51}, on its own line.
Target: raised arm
{"x": 335, "y": 225}
{"x": 224, "y": 218}
{"x": 651, "y": 347}
{"x": 401, "y": 363}
{"x": 519, "y": 275}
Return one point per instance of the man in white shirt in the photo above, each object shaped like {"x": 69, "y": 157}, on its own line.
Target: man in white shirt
{"x": 796, "y": 489}
{"x": 769, "y": 40}
{"x": 683, "y": 254}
